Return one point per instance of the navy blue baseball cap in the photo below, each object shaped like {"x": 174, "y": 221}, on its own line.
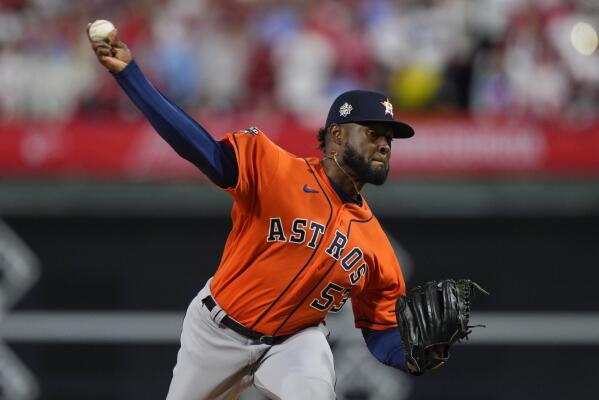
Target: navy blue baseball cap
{"x": 366, "y": 106}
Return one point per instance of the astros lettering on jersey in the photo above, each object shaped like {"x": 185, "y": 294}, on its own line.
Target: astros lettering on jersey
{"x": 290, "y": 228}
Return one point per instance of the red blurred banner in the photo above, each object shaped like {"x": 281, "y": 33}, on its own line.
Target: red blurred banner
{"x": 455, "y": 146}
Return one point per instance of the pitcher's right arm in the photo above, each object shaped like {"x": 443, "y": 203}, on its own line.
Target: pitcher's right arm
{"x": 186, "y": 136}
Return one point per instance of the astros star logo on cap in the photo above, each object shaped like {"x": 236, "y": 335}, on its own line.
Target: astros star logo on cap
{"x": 388, "y": 107}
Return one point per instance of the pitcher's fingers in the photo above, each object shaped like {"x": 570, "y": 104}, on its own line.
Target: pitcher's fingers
{"x": 103, "y": 52}
{"x": 108, "y": 62}
{"x": 98, "y": 44}
{"x": 113, "y": 37}
{"x": 120, "y": 45}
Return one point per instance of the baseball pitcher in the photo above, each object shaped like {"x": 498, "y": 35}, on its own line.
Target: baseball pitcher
{"x": 303, "y": 242}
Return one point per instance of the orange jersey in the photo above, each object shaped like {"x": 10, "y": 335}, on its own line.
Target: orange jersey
{"x": 296, "y": 251}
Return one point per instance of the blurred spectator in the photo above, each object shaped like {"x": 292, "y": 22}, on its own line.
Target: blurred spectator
{"x": 508, "y": 57}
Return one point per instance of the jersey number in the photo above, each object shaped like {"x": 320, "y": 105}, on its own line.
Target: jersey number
{"x": 327, "y": 298}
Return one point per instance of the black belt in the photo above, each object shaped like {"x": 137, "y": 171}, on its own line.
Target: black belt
{"x": 242, "y": 330}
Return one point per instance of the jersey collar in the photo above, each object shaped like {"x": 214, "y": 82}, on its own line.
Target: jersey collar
{"x": 334, "y": 190}
{"x": 342, "y": 195}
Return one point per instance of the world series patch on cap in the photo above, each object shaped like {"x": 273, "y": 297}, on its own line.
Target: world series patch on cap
{"x": 366, "y": 106}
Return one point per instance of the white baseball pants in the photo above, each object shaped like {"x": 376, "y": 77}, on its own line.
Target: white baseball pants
{"x": 215, "y": 362}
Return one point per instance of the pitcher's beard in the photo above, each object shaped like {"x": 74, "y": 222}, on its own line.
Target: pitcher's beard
{"x": 363, "y": 170}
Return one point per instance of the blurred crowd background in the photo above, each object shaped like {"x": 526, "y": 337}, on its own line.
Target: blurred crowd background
{"x": 506, "y": 57}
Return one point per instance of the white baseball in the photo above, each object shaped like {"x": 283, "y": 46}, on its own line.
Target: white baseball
{"x": 584, "y": 38}
{"x": 100, "y": 29}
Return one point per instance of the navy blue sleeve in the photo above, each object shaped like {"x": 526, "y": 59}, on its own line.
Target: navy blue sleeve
{"x": 386, "y": 346}
{"x": 188, "y": 138}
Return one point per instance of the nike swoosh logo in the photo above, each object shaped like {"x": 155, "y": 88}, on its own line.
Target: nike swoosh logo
{"x": 308, "y": 190}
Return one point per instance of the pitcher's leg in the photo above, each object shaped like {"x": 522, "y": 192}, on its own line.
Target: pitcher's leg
{"x": 211, "y": 361}
{"x": 300, "y": 368}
